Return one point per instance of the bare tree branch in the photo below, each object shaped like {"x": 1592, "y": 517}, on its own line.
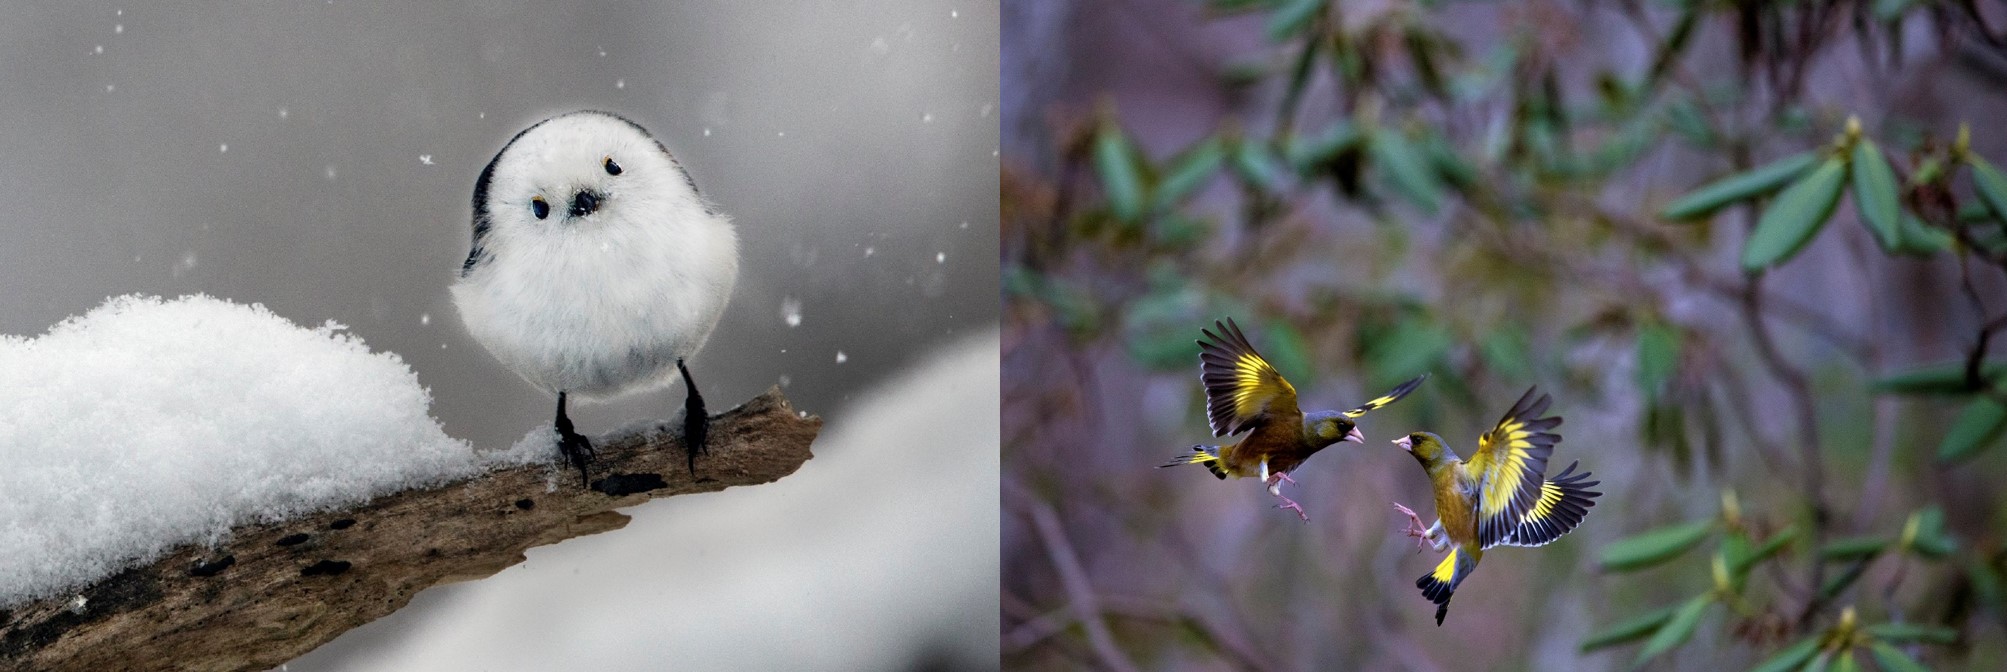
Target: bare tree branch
{"x": 277, "y": 590}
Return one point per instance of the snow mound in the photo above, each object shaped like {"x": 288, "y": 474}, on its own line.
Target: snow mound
{"x": 148, "y": 423}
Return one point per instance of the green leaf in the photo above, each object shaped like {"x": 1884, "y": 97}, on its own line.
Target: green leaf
{"x": 1305, "y": 152}
{"x": 1986, "y": 584}
{"x": 1254, "y": 163}
{"x": 1658, "y": 357}
{"x": 1875, "y": 194}
{"x": 1846, "y": 662}
{"x": 1889, "y": 10}
{"x": 1628, "y": 630}
{"x": 1744, "y": 185}
{"x": 1654, "y": 547}
{"x": 1912, "y": 632}
{"x": 1187, "y": 173}
{"x": 1944, "y": 378}
{"x": 1978, "y": 427}
{"x": 1925, "y": 534}
{"x": 1291, "y": 18}
{"x": 1157, "y": 328}
{"x": 1853, "y": 547}
{"x": 1406, "y": 168}
{"x": 1791, "y": 658}
{"x": 1795, "y": 216}
{"x": 1116, "y": 161}
{"x": 1839, "y": 582}
{"x": 1892, "y": 659}
{"x": 1770, "y": 547}
{"x": 1920, "y": 239}
{"x": 1819, "y": 663}
{"x": 1991, "y": 185}
{"x": 1676, "y": 630}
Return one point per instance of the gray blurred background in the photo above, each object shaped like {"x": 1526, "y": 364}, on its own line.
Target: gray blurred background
{"x": 318, "y": 157}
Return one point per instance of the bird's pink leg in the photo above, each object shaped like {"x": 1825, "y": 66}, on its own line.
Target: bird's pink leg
{"x": 1275, "y": 488}
{"x": 1415, "y": 528}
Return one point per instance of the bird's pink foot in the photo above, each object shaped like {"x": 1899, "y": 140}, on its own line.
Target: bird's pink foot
{"x": 1415, "y": 528}
{"x": 1290, "y": 504}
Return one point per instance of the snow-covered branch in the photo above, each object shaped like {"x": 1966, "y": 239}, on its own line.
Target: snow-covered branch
{"x": 275, "y": 591}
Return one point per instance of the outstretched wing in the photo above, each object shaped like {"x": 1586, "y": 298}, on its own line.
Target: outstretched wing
{"x": 1508, "y": 466}
{"x": 1564, "y": 502}
{"x": 1242, "y": 389}
{"x": 1387, "y": 398}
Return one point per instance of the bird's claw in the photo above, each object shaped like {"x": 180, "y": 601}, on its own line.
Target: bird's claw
{"x": 1415, "y": 528}
{"x": 1290, "y": 504}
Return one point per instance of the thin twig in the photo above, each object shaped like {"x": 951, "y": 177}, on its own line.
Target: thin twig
{"x": 1086, "y": 606}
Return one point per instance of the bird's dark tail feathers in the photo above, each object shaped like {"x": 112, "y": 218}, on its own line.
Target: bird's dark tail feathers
{"x": 1440, "y": 585}
{"x": 1206, "y": 455}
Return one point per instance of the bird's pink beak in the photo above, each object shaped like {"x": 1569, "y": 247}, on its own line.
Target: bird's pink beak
{"x": 1355, "y": 437}
{"x": 1405, "y": 443}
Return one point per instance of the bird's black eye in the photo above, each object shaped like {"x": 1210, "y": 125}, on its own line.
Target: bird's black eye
{"x": 538, "y": 206}
{"x": 611, "y": 167}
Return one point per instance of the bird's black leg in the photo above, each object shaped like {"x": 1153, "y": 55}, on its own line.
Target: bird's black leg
{"x": 575, "y": 447}
{"x": 696, "y": 423}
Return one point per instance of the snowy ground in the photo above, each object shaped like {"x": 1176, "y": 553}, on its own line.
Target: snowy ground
{"x": 880, "y": 554}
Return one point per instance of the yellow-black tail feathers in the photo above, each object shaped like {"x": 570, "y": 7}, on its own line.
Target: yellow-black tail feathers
{"x": 1206, "y": 455}
{"x": 1440, "y": 585}
{"x": 1387, "y": 398}
{"x": 1564, "y": 502}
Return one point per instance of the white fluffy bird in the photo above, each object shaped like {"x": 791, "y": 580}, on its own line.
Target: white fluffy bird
{"x": 596, "y": 267}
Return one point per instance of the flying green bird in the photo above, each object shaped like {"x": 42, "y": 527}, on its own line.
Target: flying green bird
{"x": 1245, "y": 394}
{"x": 1498, "y": 498}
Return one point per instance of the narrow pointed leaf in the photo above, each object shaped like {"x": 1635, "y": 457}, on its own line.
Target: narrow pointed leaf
{"x": 1913, "y": 632}
{"x": 1740, "y": 186}
{"x": 1115, "y": 160}
{"x": 1819, "y": 663}
{"x": 1853, "y": 547}
{"x": 1845, "y": 661}
{"x": 1255, "y": 164}
{"x": 1406, "y": 169}
{"x": 1875, "y": 194}
{"x": 1944, "y": 378}
{"x": 1630, "y": 629}
{"x": 1791, "y": 658}
{"x": 1764, "y": 551}
{"x": 1658, "y": 358}
{"x": 1676, "y": 630}
{"x": 1307, "y": 151}
{"x": 1920, "y": 239}
{"x": 1188, "y": 173}
{"x": 1290, "y": 18}
{"x": 1795, "y": 216}
{"x": 1892, "y": 659}
{"x": 1654, "y": 547}
{"x": 1978, "y": 427}
{"x": 1991, "y": 185}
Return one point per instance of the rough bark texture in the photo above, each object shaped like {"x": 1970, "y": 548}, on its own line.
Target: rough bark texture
{"x": 276, "y": 591}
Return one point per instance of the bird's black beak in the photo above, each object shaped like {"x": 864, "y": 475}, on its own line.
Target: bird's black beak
{"x": 1406, "y": 443}
{"x": 584, "y": 203}
{"x": 1355, "y": 437}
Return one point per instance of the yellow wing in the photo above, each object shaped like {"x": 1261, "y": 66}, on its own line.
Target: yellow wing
{"x": 1387, "y": 398}
{"x": 1564, "y": 502}
{"x": 1241, "y": 387}
{"x": 1508, "y": 466}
